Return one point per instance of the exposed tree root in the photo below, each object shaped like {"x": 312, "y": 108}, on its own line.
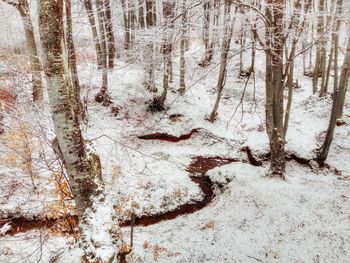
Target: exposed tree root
{"x": 309, "y": 163}
{"x": 104, "y": 98}
{"x": 156, "y": 105}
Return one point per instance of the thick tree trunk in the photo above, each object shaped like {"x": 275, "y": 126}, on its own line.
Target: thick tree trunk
{"x": 83, "y": 167}
{"x": 35, "y": 66}
{"x": 274, "y": 86}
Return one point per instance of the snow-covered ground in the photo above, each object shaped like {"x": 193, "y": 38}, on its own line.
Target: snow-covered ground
{"x": 251, "y": 219}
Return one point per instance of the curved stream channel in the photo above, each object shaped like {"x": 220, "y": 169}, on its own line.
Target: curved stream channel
{"x": 199, "y": 166}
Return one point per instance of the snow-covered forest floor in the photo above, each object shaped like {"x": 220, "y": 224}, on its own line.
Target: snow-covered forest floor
{"x": 146, "y": 159}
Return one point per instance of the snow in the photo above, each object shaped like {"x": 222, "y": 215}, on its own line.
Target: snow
{"x": 252, "y": 218}
{"x": 305, "y": 219}
{"x": 4, "y": 229}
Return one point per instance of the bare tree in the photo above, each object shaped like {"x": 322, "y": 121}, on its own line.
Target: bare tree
{"x": 83, "y": 166}
{"x": 225, "y": 47}
{"x": 274, "y": 87}
{"x": 102, "y": 96}
{"x": 141, "y": 17}
{"x": 208, "y": 45}
{"x": 320, "y": 62}
{"x": 91, "y": 17}
{"x": 338, "y": 95}
{"x": 109, "y": 34}
{"x": 182, "y": 87}
{"x": 72, "y": 61}
{"x": 168, "y": 14}
{"x": 35, "y": 66}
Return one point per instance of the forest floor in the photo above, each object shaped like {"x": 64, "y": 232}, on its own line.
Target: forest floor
{"x": 202, "y": 197}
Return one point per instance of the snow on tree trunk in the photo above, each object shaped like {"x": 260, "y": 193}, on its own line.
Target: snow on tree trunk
{"x": 274, "y": 86}
{"x": 35, "y": 66}
{"x": 168, "y": 13}
{"x": 102, "y": 96}
{"x": 72, "y": 61}
{"x": 338, "y": 96}
{"x": 320, "y": 50}
{"x": 99, "y": 236}
{"x": 225, "y": 47}
{"x": 110, "y": 34}
{"x": 92, "y": 21}
{"x": 182, "y": 87}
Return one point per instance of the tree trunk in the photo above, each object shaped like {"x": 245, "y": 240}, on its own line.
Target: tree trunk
{"x": 225, "y": 47}
{"x": 83, "y": 167}
{"x": 182, "y": 87}
{"x": 339, "y": 93}
{"x": 206, "y": 24}
{"x": 72, "y": 61}
{"x": 91, "y": 17}
{"x": 336, "y": 48}
{"x": 151, "y": 17}
{"x": 274, "y": 86}
{"x": 141, "y": 14}
{"x": 209, "y": 46}
{"x": 35, "y": 66}
{"x": 102, "y": 96}
{"x": 326, "y": 67}
{"x": 149, "y": 50}
{"x": 168, "y": 13}
{"x": 132, "y": 20}
{"x": 320, "y": 50}
{"x": 109, "y": 33}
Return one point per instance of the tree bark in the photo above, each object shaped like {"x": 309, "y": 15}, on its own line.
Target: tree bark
{"x": 91, "y": 17}
{"x": 168, "y": 13}
{"x": 182, "y": 87}
{"x": 109, "y": 33}
{"x": 274, "y": 86}
{"x": 149, "y": 50}
{"x": 102, "y": 96}
{"x": 72, "y": 61}
{"x": 339, "y": 93}
{"x": 320, "y": 49}
{"x": 35, "y": 66}
{"x": 208, "y": 46}
{"x": 83, "y": 166}
{"x": 141, "y": 14}
{"x": 151, "y": 17}
{"x": 225, "y": 47}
